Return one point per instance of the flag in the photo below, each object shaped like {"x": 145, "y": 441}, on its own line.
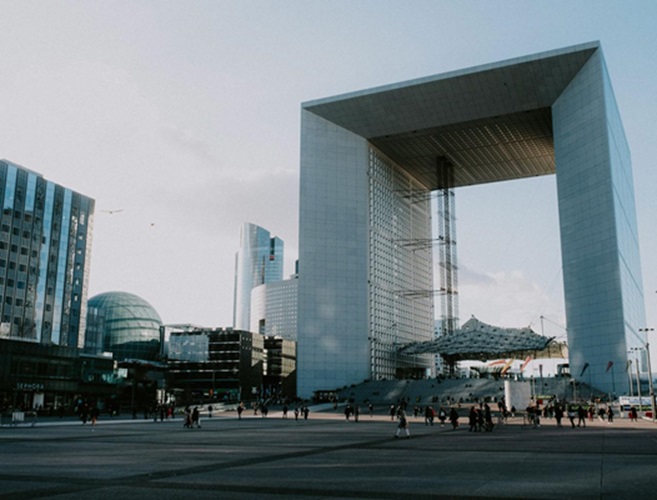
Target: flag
{"x": 506, "y": 366}
{"x": 609, "y": 365}
{"x": 498, "y": 362}
{"x": 586, "y": 365}
{"x": 525, "y": 363}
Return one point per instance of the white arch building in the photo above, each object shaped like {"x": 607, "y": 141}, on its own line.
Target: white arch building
{"x": 366, "y": 155}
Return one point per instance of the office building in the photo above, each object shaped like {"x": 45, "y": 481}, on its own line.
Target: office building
{"x": 369, "y": 160}
{"x": 45, "y": 246}
{"x": 258, "y": 261}
{"x": 215, "y": 364}
{"x": 274, "y": 309}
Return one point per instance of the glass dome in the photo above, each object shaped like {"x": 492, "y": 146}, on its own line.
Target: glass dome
{"x": 125, "y": 325}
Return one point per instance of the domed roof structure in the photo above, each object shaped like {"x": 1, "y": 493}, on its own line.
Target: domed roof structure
{"x": 124, "y": 324}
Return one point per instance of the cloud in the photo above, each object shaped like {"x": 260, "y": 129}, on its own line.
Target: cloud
{"x": 509, "y": 299}
{"x": 190, "y": 142}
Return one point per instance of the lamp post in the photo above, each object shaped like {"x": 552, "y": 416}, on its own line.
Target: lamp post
{"x": 650, "y": 384}
{"x": 638, "y": 374}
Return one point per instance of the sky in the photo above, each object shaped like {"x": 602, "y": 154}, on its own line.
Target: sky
{"x": 184, "y": 115}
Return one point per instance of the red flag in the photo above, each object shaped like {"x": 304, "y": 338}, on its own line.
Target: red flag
{"x": 526, "y": 362}
{"x": 609, "y": 365}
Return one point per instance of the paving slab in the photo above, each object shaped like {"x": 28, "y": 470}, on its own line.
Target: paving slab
{"x": 326, "y": 457}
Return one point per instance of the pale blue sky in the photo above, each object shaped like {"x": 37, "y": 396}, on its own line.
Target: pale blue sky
{"x": 185, "y": 114}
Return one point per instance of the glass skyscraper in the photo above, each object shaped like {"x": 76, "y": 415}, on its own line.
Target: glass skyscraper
{"x": 45, "y": 247}
{"x": 258, "y": 261}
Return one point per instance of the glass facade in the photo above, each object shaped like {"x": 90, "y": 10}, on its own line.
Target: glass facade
{"x": 45, "y": 246}
{"x": 123, "y": 324}
{"x": 274, "y": 309}
{"x": 259, "y": 261}
{"x": 400, "y": 273}
{"x": 599, "y": 236}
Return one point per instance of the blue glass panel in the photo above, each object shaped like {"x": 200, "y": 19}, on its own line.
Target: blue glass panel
{"x": 30, "y": 195}
{"x": 10, "y": 186}
{"x": 43, "y": 258}
{"x": 61, "y": 267}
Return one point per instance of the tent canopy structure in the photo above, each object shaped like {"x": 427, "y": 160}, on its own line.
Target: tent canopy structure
{"x": 480, "y": 341}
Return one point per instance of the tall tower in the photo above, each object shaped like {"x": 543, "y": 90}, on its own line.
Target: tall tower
{"x": 45, "y": 247}
{"x": 258, "y": 261}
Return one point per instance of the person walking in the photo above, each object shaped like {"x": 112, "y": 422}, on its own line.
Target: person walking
{"x": 403, "y": 424}
{"x": 581, "y": 416}
{"x": 558, "y": 414}
{"x": 442, "y": 416}
{"x": 428, "y": 415}
{"x": 454, "y": 418}
{"x": 473, "y": 419}
{"x": 196, "y": 418}
{"x": 571, "y": 416}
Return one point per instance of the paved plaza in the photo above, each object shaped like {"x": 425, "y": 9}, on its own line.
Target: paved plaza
{"x": 326, "y": 457}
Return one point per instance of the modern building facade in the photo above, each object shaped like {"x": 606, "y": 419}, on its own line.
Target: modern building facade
{"x": 123, "y": 324}
{"x": 274, "y": 309}
{"x": 258, "y": 261}
{"x": 45, "y": 247}
{"x": 370, "y": 159}
{"x": 279, "y": 380}
{"x": 215, "y": 364}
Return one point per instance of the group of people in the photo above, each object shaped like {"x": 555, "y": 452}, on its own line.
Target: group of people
{"x": 480, "y": 418}
{"x": 192, "y": 418}
{"x": 573, "y": 412}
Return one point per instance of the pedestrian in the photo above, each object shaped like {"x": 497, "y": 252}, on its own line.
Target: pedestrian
{"x": 473, "y": 419}
{"x": 196, "y": 418}
{"x": 488, "y": 419}
{"x": 403, "y": 424}
{"x": 347, "y": 412}
{"x": 571, "y": 416}
{"x": 428, "y": 415}
{"x": 240, "y": 409}
{"x": 370, "y": 407}
{"x": 187, "y": 422}
{"x": 392, "y": 412}
{"x": 94, "y": 414}
{"x": 306, "y": 411}
{"x": 610, "y": 415}
{"x": 581, "y": 416}
{"x": 296, "y": 414}
{"x": 558, "y": 414}
{"x": 209, "y": 411}
{"x": 285, "y": 411}
{"x": 442, "y": 416}
{"x": 633, "y": 414}
{"x": 356, "y": 412}
{"x": 454, "y": 418}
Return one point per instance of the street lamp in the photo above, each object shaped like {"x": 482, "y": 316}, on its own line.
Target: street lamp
{"x": 650, "y": 384}
{"x": 638, "y": 374}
